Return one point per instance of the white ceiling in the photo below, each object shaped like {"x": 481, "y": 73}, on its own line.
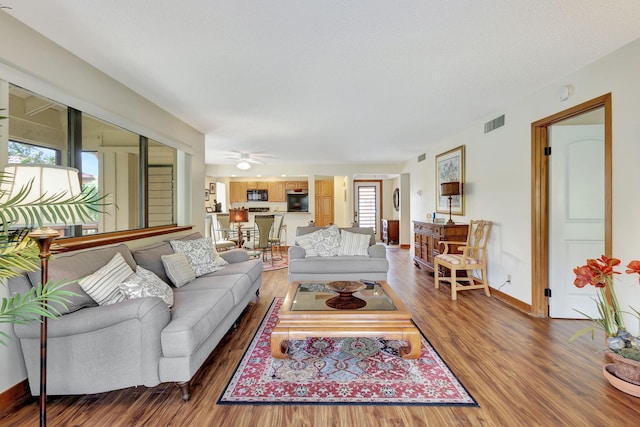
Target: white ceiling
{"x": 333, "y": 81}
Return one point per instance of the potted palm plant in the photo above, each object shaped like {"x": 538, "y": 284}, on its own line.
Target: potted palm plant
{"x": 19, "y": 253}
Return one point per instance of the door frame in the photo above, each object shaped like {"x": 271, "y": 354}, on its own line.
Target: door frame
{"x": 380, "y": 200}
{"x": 540, "y": 196}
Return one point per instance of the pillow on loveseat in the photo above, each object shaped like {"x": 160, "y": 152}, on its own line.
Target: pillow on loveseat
{"x": 353, "y": 244}
{"x": 144, "y": 283}
{"x": 201, "y": 254}
{"x": 104, "y": 285}
{"x": 326, "y": 242}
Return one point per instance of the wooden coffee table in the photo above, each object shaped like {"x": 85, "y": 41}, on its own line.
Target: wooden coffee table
{"x": 305, "y": 314}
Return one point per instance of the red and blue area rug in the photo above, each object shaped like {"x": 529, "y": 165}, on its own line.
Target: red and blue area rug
{"x": 341, "y": 371}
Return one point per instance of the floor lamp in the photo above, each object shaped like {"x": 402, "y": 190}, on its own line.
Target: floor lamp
{"x": 450, "y": 189}
{"x": 239, "y": 216}
{"x": 41, "y": 182}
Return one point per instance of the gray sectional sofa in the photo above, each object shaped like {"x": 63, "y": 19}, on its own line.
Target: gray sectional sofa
{"x": 93, "y": 349}
{"x": 371, "y": 265}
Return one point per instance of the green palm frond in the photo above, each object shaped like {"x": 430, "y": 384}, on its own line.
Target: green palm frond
{"x": 33, "y": 305}
{"x": 17, "y": 253}
{"x": 53, "y": 208}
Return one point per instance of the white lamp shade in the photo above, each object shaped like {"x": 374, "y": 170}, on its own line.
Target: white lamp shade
{"x": 47, "y": 181}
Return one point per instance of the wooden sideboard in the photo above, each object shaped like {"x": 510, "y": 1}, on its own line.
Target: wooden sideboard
{"x": 426, "y": 238}
{"x": 390, "y": 231}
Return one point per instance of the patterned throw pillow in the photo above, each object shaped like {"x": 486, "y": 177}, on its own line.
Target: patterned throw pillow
{"x": 103, "y": 285}
{"x": 178, "y": 269}
{"x": 354, "y": 244}
{"x": 144, "y": 283}
{"x": 199, "y": 252}
{"x": 326, "y": 242}
{"x": 305, "y": 242}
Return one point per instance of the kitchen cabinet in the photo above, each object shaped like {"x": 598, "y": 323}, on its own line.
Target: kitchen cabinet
{"x": 238, "y": 192}
{"x": 277, "y": 191}
{"x": 296, "y": 185}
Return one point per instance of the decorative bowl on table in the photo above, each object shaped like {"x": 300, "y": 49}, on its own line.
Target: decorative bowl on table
{"x": 345, "y": 299}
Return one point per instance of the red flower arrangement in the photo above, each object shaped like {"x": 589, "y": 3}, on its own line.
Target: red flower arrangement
{"x": 599, "y": 273}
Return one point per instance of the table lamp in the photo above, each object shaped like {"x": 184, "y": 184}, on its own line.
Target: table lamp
{"x": 239, "y": 216}
{"x": 36, "y": 184}
{"x": 450, "y": 189}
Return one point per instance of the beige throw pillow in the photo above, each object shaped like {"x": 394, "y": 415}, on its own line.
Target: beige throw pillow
{"x": 178, "y": 269}
{"x": 353, "y": 244}
{"x": 104, "y": 285}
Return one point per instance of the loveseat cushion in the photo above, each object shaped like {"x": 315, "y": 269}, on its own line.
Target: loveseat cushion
{"x": 193, "y": 316}
{"x": 339, "y": 265}
{"x": 149, "y": 256}
{"x": 237, "y": 284}
{"x": 251, "y": 267}
{"x": 70, "y": 266}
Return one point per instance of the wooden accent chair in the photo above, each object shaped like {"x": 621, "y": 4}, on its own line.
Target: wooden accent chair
{"x": 473, "y": 257}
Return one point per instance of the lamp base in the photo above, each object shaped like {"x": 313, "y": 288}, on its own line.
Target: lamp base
{"x": 451, "y": 222}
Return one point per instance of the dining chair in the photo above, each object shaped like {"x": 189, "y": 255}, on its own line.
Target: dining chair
{"x": 276, "y": 231}
{"x": 262, "y": 231}
{"x": 472, "y": 259}
{"x": 225, "y": 233}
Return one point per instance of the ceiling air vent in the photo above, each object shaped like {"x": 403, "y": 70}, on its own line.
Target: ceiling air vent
{"x": 422, "y": 157}
{"x": 494, "y": 124}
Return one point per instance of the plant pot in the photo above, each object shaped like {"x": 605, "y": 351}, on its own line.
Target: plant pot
{"x": 625, "y": 369}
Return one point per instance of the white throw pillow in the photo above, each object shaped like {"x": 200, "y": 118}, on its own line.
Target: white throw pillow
{"x": 144, "y": 283}
{"x": 305, "y": 243}
{"x": 178, "y": 269}
{"x": 200, "y": 253}
{"x": 104, "y": 285}
{"x": 354, "y": 244}
{"x": 326, "y": 242}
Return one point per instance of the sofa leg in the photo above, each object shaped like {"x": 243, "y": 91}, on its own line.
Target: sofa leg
{"x": 258, "y": 293}
{"x": 185, "y": 390}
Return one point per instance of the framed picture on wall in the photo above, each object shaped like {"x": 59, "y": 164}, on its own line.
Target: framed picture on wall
{"x": 206, "y": 195}
{"x": 450, "y": 168}
{"x": 212, "y": 189}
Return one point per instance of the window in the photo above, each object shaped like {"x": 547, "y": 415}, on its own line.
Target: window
{"x": 20, "y": 152}
{"x": 136, "y": 174}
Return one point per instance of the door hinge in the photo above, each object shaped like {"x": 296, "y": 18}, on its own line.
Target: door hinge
{"x": 547, "y": 151}
{"x": 547, "y": 292}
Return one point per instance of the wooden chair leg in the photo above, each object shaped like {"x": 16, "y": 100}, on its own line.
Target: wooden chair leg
{"x": 484, "y": 281}
{"x": 436, "y": 275}
{"x": 454, "y": 284}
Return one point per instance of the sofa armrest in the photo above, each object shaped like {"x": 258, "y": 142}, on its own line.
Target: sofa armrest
{"x": 89, "y": 319}
{"x": 297, "y": 252}
{"x": 377, "y": 251}
{"x": 234, "y": 255}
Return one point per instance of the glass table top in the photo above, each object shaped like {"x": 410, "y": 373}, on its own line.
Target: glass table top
{"x": 313, "y": 297}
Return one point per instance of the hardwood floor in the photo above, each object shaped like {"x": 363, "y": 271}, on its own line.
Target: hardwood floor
{"x": 520, "y": 369}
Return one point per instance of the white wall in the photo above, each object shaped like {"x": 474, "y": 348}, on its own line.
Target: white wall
{"x": 498, "y": 172}
{"x": 35, "y": 63}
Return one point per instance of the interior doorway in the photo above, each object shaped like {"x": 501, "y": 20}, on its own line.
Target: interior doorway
{"x": 540, "y": 193}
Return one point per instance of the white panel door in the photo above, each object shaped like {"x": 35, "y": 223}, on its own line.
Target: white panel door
{"x": 576, "y": 214}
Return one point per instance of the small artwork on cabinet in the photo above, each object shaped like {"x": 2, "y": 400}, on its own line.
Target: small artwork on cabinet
{"x": 450, "y": 168}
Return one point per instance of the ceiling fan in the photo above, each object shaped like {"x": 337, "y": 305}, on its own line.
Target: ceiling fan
{"x": 245, "y": 160}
